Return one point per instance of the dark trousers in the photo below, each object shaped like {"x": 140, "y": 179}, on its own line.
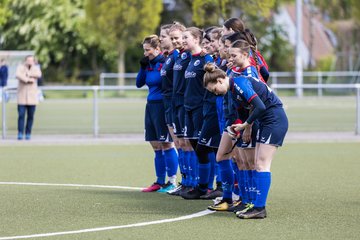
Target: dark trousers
{"x": 22, "y": 109}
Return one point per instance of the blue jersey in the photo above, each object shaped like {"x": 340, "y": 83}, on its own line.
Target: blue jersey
{"x": 249, "y": 71}
{"x": 151, "y": 77}
{"x": 247, "y": 88}
{"x": 168, "y": 75}
{"x": 179, "y": 84}
{"x": 194, "y": 74}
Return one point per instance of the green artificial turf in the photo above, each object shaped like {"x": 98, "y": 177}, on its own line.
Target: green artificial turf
{"x": 315, "y": 194}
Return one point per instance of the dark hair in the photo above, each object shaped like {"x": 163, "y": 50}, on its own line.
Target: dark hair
{"x": 235, "y": 37}
{"x": 196, "y": 33}
{"x": 153, "y": 40}
{"x": 216, "y": 33}
{"x": 212, "y": 73}
{"x": 251, "y": 39}
{"x": 235, "y": 24}
{"x": 243, "y": 45}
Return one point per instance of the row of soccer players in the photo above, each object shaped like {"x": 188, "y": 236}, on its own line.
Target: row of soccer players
{"x": 208, "y": 91}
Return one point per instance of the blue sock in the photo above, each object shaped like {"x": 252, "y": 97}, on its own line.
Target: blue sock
{"x": 171, "y": 159}
{"x": 160, "y": 167}
{"x": 180, "y": 159}
{"x": 239, "y": 180}
{"x": 204, "y": 170}
{"x": 244, "y": 195}
{"x": 227, "y": 177}
{"x": 217, "y": 172}
{"x": 212, "y": 160}
{"x": 186, "y": 168}
{"x": 194, "y": 169}
{"x": 263, "y": 182}
{"x": 247, "y": 185}
{"x": 252, "y": 184}
{"x": 236, "y": 189}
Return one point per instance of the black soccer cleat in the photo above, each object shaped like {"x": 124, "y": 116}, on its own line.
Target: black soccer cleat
{"x": 195, "y": 193}
{"x": 253, "y": 213}
{"x": 212, "y": 194}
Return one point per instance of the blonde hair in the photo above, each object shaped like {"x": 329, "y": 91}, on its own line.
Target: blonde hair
{"x": 176, "y": 26}
{"x": 212, "y": 73}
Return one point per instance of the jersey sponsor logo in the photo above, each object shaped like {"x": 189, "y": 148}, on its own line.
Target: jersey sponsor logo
{"x": 183, "y": 56}
{"x": 177, "y": 67}
{"x": 238, "y": 88}
{"x": 197, "y": 62}
{"x": 168, "y": 61}
{"x": 163, "y": 72}
{"x": 190, "y": 74}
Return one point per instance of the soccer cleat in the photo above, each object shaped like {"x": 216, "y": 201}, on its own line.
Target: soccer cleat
{"x": 234, "y": 206}
{"x": 212, "y": 194}
{"x": 243, "y": 208}
{"x": 253, "y": 213}
{"x": 184, "y": 190}
{"x": 221, "y": 206}
{"x": 28, "y": 136}
{"x": 167, "y": 187}
{"x": 195, "y": 193}
{"x": 176, "y": 191}
{"x": 154, "y": 187}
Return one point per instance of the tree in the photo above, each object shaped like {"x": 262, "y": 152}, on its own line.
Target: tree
{"x": 209, "y": 12}
{"x": 119, "y": 24}
{"x": 48, "y": 27}
{"x": 4, "y": 14}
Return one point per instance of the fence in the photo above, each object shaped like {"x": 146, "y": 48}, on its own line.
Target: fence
{"x": 318, "y": 78}
{"x": 133, "y": 126}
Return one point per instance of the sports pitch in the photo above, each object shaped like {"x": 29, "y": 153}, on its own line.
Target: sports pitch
{"x": 315, "y": 194}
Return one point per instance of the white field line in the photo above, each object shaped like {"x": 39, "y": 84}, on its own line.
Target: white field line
{"x": 195, "y": 215}
{"x": 69, "y": 185}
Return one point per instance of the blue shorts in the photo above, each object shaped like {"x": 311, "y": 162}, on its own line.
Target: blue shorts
{"x": 273, "y": 126}
{"x": 179, "y": 121}
{"x": 155, "y": 126}
{"x": 168, "y": 105}
{"x": 193, "y": 123}
{"x": 210, "y": 131}
{"x": 252, "y": 143}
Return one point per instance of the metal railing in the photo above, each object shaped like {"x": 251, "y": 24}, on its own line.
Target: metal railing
{"x": 96, "y": 89}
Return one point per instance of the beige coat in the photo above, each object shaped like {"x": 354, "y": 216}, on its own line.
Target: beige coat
{"x": 27, "y": 89}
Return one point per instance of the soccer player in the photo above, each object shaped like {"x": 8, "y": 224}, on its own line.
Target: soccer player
{"x": 156, "y": 131}
{"x": 256, "y": 59}
{"x": 200, "y": 111}
{"x": 181, "y": 62}
{"x": 167, "y": 91}
{"x": 273, "y": 125}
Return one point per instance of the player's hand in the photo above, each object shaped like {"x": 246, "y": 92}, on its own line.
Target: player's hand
{"x": 144, "y": 62}
{"x": 232, "y": 133}
{"x": 238, "y": 126}
{"x": 229, "y": 65}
